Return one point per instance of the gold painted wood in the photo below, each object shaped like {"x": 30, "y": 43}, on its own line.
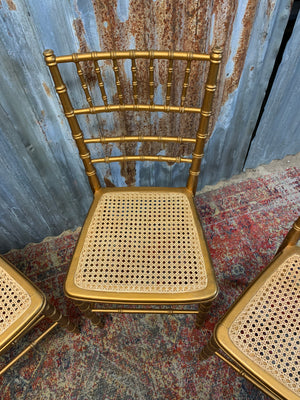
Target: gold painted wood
{"x": 137, "y": 107}
{"x": 142, "y": 311}
{"x": 117, "y": 78}
{"x": 84, "y": 84}
{"x": 22, "y": 307}
{"x": 71, "y": 118}
{"x": 142, "y": 158}
{"x": 27, "y": 349}
{"x": 100, "y": 83}
{"x": 151, "y": 81}
{"x": 169, "y": 82}
{"x": 134, "y": 81}
{"x": 247, "y": 375}
{"x": 259, "y": 335}
{"x": 210, "y": 88}
{"x": 119, "y": 139}
{"x": 109, "y": 55}
{"x": 186, "y": 82}
{"x": 86, "y": 309}
{"x": 292, "y": 237}
{"x": 169, "y": 229}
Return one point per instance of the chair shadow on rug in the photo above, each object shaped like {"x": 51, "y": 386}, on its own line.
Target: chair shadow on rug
{"x": 22, "y": 307}
{"x": 260, "y": 334}
{"x": 141, "y": 246}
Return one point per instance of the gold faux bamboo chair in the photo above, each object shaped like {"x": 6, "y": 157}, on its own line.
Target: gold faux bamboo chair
{"x": 260, "y": 334}
{"x": 140, "y": 246}
{"x": 23, "y": 306}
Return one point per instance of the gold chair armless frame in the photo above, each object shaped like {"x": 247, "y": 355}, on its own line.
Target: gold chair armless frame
{"x": 123, "y": 276}
{"x": 22, "y": 307}
{"x": 259, "y": 335}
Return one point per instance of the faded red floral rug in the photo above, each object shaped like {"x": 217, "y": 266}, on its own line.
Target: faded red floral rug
{"x": 147, "y": 357}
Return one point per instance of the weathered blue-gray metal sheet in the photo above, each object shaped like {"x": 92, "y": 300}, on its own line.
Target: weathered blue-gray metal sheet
{"x": 278, "y": 133}
{"x": 226, "y": 151}
{"x": 42, "y": 185}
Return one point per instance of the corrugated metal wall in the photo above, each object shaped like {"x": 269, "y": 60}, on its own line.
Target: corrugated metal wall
{"x": 43, "y": 188}
{"x": 278, "y": 133}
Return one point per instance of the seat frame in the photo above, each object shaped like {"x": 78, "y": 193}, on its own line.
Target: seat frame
{"x": 85, "y": 301}
{"x": 39, "y": 309}
{"x": 220, "y": 343}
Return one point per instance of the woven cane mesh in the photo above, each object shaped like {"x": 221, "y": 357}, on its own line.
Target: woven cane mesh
{"x": 142, "y": 242}
{"x": 14, "y": 300}
{"x": 268, "y": 329}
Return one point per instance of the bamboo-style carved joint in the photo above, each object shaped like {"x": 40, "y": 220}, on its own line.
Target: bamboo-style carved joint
{"x": 211, "y": 88}
{"x": 85, "y": 156}
{"x": 296, "y": 227}
{"x": 91, "y": 173}
{"x": 201, "y": 136}
{"x": 194, "y": 173}
{"x": 70, "y": 114}
{"x": 197, "y": 156}
{"x": 61, "y": 89}
{"x": 77, "y": 136}
{"x": 206, "y": 113}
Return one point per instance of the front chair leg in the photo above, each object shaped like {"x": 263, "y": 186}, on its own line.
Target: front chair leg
{"x": 208, "y": 350}
{"x": 94, "y": 317}
{"x": 203, "y": 310}
{"x": 56, "y": 316}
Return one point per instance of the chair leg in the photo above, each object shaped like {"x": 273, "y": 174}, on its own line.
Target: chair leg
{"x": 95, "y": 318}
{"x": 208, "y": 350}
{"x": 202, "y": 313}
{"x": 56, "y": 316}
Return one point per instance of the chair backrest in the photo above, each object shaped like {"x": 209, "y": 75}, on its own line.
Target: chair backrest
{"x": 87, "y": 62}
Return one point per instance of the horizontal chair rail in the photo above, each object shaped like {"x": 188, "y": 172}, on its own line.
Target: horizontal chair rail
{"x": 134, "y": 107}
{"x": 249, "y": 377}
{"x": 97, "y": 55}
{"x": 141, "y": 158}
{"x": 119, "y": 139}
{"x": 29, "y": 347}
{"x": 142, "y": 311}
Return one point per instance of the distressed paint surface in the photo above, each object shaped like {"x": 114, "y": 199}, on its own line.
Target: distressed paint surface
{"x": 227, "y": 148}
{"x": 43, "y": 188}
{"x": 279, "y": 129}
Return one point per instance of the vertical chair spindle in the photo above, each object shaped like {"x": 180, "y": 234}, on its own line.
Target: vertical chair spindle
{"x": 118, "y": 83}
{"x": 84, "y": 84}
{"x": 134, "y": 81}
{"x": 151, "y": 81}
{"x": 186, "y": 82}
{"x": 100, "y": 83}
{"x": 169, "y": 82}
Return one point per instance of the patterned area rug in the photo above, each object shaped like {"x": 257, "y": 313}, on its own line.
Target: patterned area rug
{"x": 156, "y": 356}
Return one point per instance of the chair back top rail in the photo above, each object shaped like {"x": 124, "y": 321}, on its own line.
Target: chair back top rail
{"x": 110, "y": 55}
{"x": 205, "y": 111}
{"x": 136, "y": 107}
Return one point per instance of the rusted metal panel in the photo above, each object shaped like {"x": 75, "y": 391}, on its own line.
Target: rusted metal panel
{"x": 227, "y": 149}
{"x": 43, "y": 188}
{"x": 278, "y": 132}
